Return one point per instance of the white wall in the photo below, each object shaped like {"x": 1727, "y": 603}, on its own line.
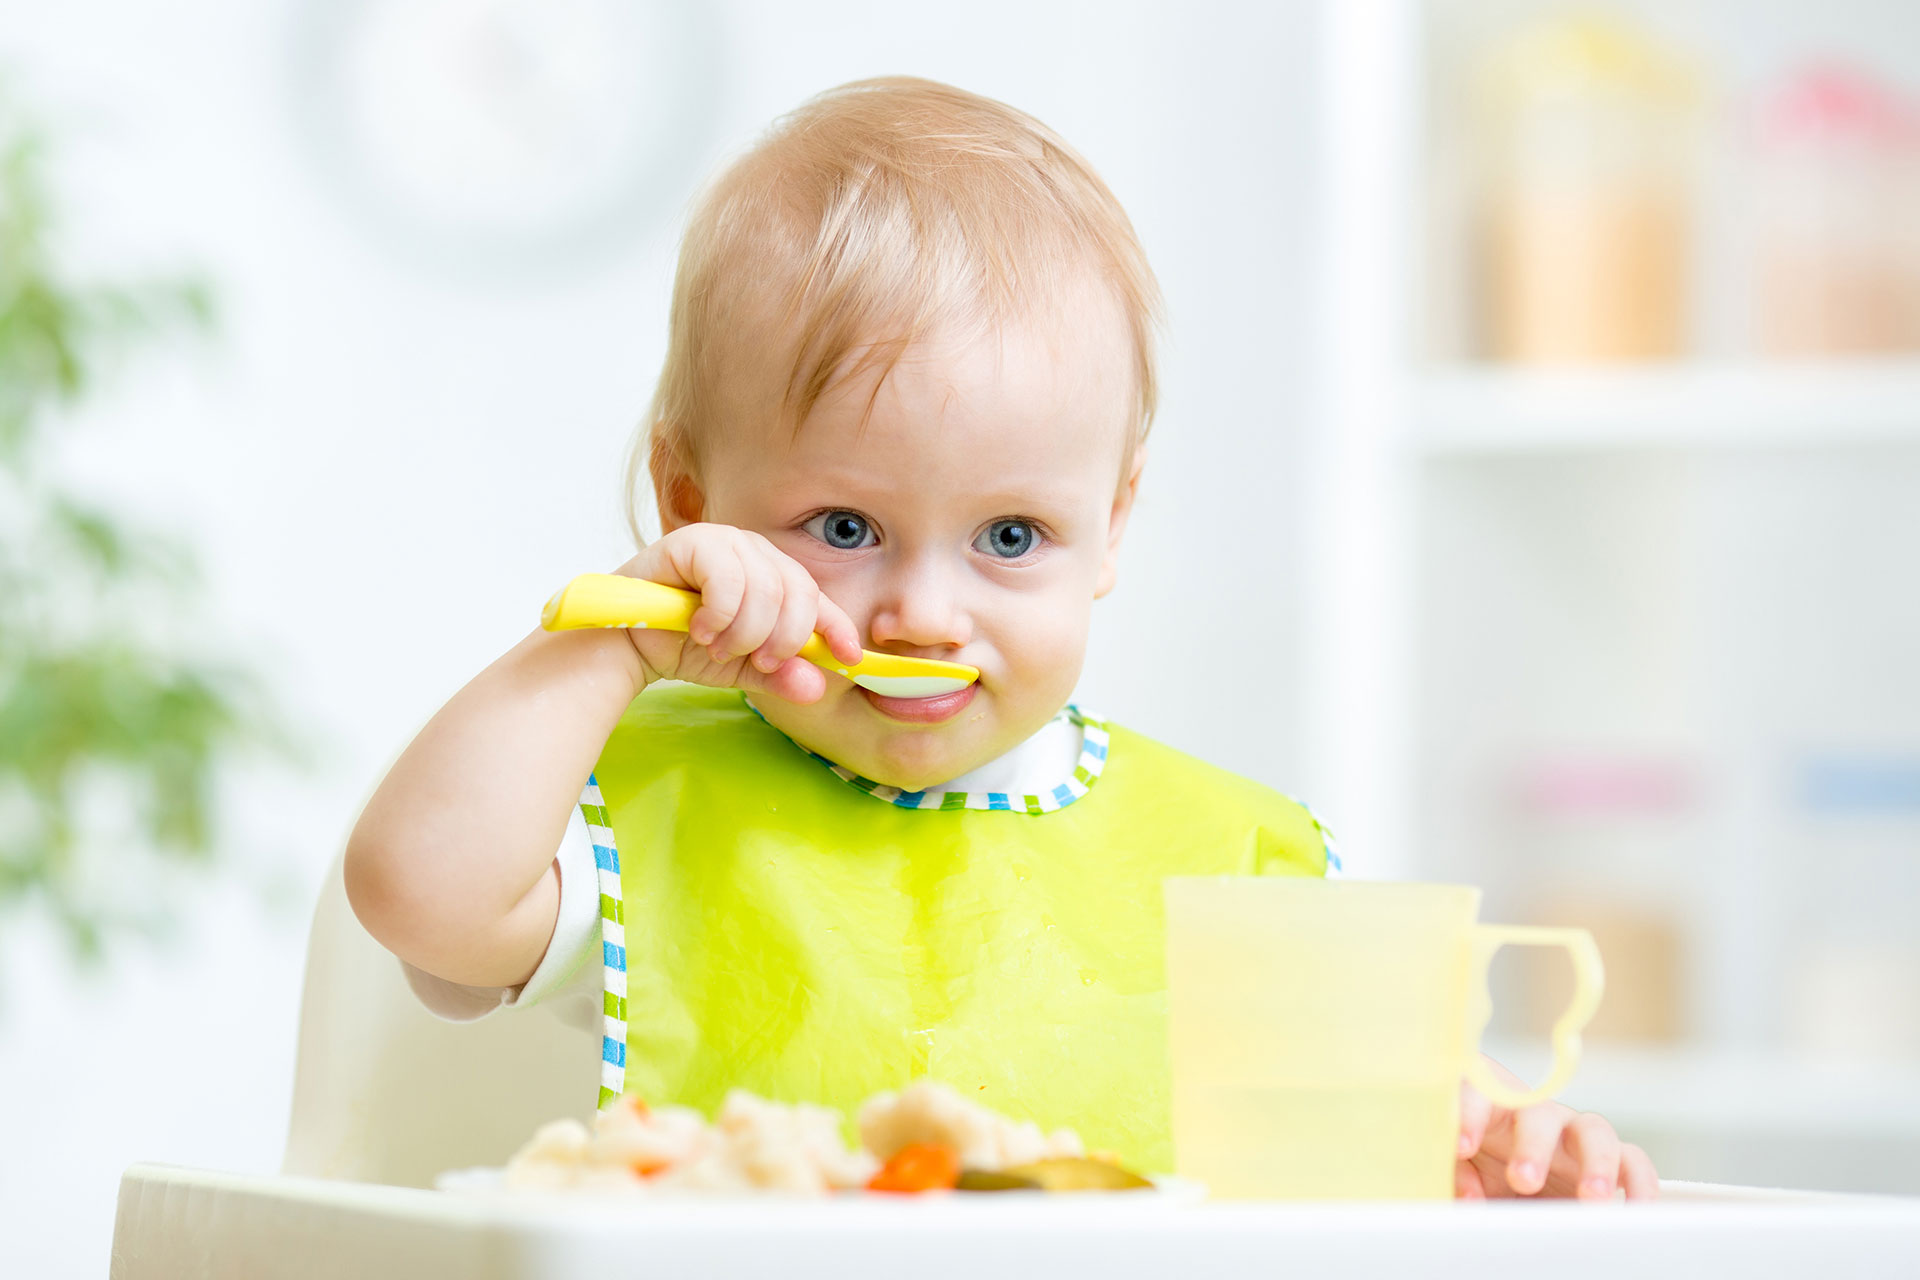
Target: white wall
{"x": 386, "y": 467}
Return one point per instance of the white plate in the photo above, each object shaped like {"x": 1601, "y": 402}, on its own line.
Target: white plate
{"x": 491, "y": 1183}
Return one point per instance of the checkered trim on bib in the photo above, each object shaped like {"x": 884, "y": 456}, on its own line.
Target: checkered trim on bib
{"x": 1335, "y": 868}
{"x": 613, "y": 945}
{"x": 1093, "y": 758}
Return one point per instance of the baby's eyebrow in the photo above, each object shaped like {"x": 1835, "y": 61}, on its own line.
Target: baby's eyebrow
{"x": 864, "y": 488}
{"x": 1031, "y": 497}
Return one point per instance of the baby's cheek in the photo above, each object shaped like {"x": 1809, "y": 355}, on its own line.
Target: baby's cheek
{"x": 1044, "y": 648}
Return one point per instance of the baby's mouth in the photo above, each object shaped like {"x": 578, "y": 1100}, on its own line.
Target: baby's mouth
{"x": 932, "y": 710}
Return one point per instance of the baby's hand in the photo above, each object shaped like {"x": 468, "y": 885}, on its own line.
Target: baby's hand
{"x": 1546, "y": 1149}
{"x": 758, "y": 605}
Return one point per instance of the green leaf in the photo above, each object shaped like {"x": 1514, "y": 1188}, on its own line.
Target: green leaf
{"x": 89, "y": 709}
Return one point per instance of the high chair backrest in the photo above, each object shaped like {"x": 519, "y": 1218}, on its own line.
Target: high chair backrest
{"x": 383, "y": 1091}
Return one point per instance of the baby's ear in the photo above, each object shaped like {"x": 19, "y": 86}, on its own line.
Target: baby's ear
{"x": 675, "y": 492}
{"x": 1117, "y": 521}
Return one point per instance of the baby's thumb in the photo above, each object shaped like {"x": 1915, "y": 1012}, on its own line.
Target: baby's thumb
{"x": 795, "y": 680}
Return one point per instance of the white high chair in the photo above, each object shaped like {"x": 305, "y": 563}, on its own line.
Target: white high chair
{"x": 383, "y": 1091}
{"x": 386, "y": 1093}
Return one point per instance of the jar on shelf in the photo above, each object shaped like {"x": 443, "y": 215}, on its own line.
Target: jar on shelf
{"x": 1607, "y": 840}
{"x": 1586, "y": 128}
{"x": 1853, "y": 986}
{"x": 1836, "y": 178}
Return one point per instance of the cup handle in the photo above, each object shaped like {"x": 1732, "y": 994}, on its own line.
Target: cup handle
{"x": 1588, "y": 982}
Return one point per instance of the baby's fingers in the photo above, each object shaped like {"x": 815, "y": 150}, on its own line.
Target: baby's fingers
{"x": 838, "y": 630}
{"x": 1475, "y": 1111}
{"x": 1467, "y": 1184}
{"x": 1637, "y": 1175}
{"x": 1536, "y": 1132}
{"x": 1591, "y": 1141}
{"x": 718, "y": 574}
{"x": 760, "y": 606}
{"x": 799, "y": 608}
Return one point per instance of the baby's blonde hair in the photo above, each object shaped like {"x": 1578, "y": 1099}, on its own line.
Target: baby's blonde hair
{"x": 873, "y": 215}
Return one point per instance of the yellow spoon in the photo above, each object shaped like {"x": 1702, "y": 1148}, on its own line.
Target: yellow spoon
{"x": 614, "y": 600}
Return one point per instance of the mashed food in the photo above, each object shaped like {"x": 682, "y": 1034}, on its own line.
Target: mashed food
{"x": 757, "y": 1145}
{"x": 983, "y": 1138}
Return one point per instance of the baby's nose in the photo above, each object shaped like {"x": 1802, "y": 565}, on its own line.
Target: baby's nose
{"x": 921, "y": 613}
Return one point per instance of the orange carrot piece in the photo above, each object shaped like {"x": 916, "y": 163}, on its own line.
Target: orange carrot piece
{"x": 919, "y": 1166}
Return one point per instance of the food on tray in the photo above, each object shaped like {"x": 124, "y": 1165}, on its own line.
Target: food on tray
{"x": 919, "y": 1166}
{"x": 983, "y": 1138}
{"x": 924, "y": 1138}
{"x": 1076, "y": 1173}
{"x": 752, "y": 1144}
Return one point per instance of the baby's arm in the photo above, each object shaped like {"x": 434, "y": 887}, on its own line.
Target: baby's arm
{"x": 451, "y": 864}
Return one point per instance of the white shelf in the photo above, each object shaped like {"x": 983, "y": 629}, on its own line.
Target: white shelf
{"x": 1700, "y": 1091}
{"x": 1486, "y": 411}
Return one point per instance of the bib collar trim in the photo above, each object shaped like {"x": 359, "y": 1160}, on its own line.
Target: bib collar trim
{"x": 1093, "y": 759}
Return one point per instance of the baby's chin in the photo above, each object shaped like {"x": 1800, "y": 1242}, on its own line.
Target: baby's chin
{"x": 910, "y": 759}
{"x": 916, "y": 760}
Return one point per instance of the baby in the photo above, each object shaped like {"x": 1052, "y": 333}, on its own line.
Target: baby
{"x": 905, "y": 403}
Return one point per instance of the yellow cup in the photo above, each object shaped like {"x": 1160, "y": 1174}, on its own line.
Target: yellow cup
{"x": 1319, "y": 1032}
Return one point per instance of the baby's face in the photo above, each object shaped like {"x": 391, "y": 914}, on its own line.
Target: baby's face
{"x": 974, "y": 518}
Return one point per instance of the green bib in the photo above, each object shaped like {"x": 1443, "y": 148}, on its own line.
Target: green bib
{"x": 787, "y": 927}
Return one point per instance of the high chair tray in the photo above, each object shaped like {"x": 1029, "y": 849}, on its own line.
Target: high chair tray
{"x": 175, "y": 1222}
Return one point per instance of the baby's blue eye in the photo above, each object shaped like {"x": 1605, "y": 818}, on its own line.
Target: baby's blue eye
{"x": 845, "y": 530}
{"x": 1008, "y": 539}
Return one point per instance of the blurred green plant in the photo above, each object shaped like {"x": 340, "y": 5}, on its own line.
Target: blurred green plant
{"x": 98, "y": 709}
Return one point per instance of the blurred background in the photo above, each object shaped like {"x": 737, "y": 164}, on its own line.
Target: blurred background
{"x": 1553, "y": 374}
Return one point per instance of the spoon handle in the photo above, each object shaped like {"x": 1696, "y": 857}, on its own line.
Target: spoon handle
{"x": 614, "y": 600}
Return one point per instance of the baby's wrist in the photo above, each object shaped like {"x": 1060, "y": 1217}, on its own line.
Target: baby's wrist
{"x": 603, "y": 656}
